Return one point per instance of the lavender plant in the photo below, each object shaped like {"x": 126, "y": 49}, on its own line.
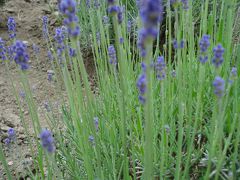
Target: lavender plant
{"x": 159, "y": 109}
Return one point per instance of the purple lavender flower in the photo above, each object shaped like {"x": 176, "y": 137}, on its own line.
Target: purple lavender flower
{"x": 47, "y": 140}
{"x": 203, "y": 59}
{"x": 91, "y": 140}
{"x": 185, "y": 4}
{"x": 20, "y": 55}
{"x": 68, "y": 8}
{"x": 129, "y": 26}
{"x": 72, "y": 52}
{"x": 175, "y": 44}
{"x": 204, "y": 43}
{"x": 11, "y": 27}
{"x": 112, "y": 55}
{"x": 142, "y": 87}
{"x": 219, "y": 86}
{"x": 11, "y": 134}
{"x": 10, "y": 52}
{"x": 234, "y": 72}
{"x": 151, "y": 12}
{"x": 59, "y": 38}
{"x": 45, "y": 26}
{"x": 218, "y": 55}
{"x": 3, "y": 50}
{"x": 50, "y": 74}
{"x": 182, "y": 44}
{"x": 121, "y": 40}
{"x": 88, "y": 3}
{"x": 114, "y": 9}
{"x": 160, "y": 68}
{"x": 50, "y": 56}
{"x": 120, "y": 15}
{"x": 22, "y": 94}
{"x": 7, "y": 141}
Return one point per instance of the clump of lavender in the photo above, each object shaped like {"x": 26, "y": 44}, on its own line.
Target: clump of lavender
{"x": 11, "y": 27}
{"x": 219, "y": 86}
{"x": 20, "y": 55}
{"x": 142, "y": 84}
{"x": 47, "y": 140}
{"x": 112, "y": 55}
{"x": 218, "y": 55}
{"x": 151, "y": 12}
{"x": 68, "y": 9}
{"x": 204, "y": 44}
{"x": 3, "y": 50}
{"x": 45, "y": 26}
{"x": 160, "y": 68}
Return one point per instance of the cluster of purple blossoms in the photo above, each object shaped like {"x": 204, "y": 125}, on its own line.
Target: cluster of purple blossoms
{"x": 45, "y": 26}
{"x": 177, "y": 45}
{"x": 68, "y": 8}
{"x": 112, "y": 55}
{"x": 218, "y": 55}
{"x": 114, "y": 9}
{"x": 11, "y": 136}
{"x": 47, "y": 140}
{"x": 3, "y": 50}
{"x": 11, "y": 27}
{"x": 160, "y": 67}
{"x": 204, "y": 44}
{"x": 59, "y": 38}
{"x": 151, "y": 12}
{"x": 219, "y": 86}
{"x": 20, "y": 55}
{"x": 142, "y": 84}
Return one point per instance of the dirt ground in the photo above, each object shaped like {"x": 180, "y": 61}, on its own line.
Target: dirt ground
{"x": 28, "y": 16}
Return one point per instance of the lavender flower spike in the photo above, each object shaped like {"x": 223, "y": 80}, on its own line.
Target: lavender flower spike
{"x": 47, "y": 140}
{"x": 20, "y": 55}
{"x": 218, "y": 55}
{"x": 219, "y": 86}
